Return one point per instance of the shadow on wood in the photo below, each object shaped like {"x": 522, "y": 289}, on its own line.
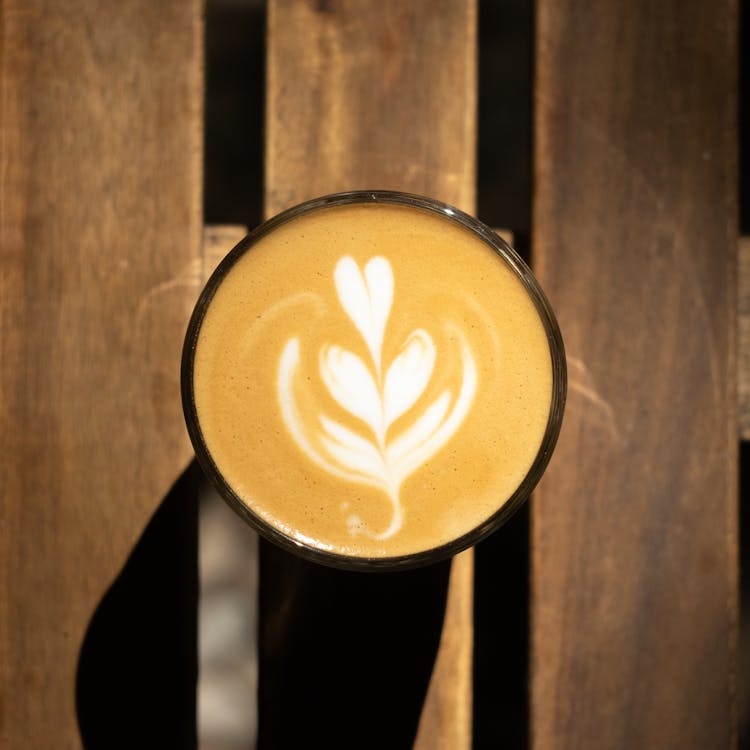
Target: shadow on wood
{"x": 137, "y": 671}
{"x": 346, "y": 657}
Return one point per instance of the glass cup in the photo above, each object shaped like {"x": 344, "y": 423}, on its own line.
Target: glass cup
{"x": 308, "y": 548}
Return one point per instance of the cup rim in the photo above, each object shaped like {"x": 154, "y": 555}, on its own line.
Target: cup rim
{"x": 423, "y": 557}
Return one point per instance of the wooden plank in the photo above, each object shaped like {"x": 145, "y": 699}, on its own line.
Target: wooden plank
{"x": 634, "y": 528}
{"x": 506, "y": 234}
{"x": 100, "y": 224}
{"x": 743, "y": 341}
{"x": 365, "y": 96}
{"x": 218, "y": 240}
{"x": 445, "y": 722}
{"x": 362, "y": 96}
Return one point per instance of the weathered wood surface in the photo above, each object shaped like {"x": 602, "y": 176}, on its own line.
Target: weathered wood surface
{"x": 367, "y": 95}
{"x": 218, "y": 240}
{"x": 370, "y": 95}
{"x": 634, "y": 527}
{"x": 100, "y": 225}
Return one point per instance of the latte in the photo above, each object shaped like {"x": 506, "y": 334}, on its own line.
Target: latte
{"x": 371, "y": 378}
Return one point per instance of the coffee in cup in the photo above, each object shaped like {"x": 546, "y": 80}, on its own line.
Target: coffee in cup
{"x": 373, "y": 380}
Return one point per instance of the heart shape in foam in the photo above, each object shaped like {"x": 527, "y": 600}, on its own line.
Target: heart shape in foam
{"x": 367, "y": 298}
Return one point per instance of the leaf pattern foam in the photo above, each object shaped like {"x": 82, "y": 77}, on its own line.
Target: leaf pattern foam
{"x": 375, "y": 399}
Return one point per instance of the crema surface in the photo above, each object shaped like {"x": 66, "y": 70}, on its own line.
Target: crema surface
{"x": 372, "y": 380}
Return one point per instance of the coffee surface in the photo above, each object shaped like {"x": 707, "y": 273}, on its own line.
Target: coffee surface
{"x": 372, "y": 380}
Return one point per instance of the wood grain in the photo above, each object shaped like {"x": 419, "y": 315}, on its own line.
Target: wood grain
{"x": 370, "y": 95}
{"x": 100, "y": 224}
{"x": 382, "y": 95}
{"x": 634, "y": 528}
{"x": 218, "y": 240}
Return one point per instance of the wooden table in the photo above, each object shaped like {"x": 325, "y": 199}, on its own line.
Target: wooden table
{"x": 634, "y": 530}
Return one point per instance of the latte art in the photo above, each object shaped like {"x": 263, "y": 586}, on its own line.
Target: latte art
{"x": 371, "y": 381}
{"x": 377, "y": 398}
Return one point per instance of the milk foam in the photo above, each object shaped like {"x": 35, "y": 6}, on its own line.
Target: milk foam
{"x": 372, "y": 380}
{"x": 376, "y": 398}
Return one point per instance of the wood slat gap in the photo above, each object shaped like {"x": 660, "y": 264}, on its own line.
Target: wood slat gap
{"x": 743, "y": 338}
